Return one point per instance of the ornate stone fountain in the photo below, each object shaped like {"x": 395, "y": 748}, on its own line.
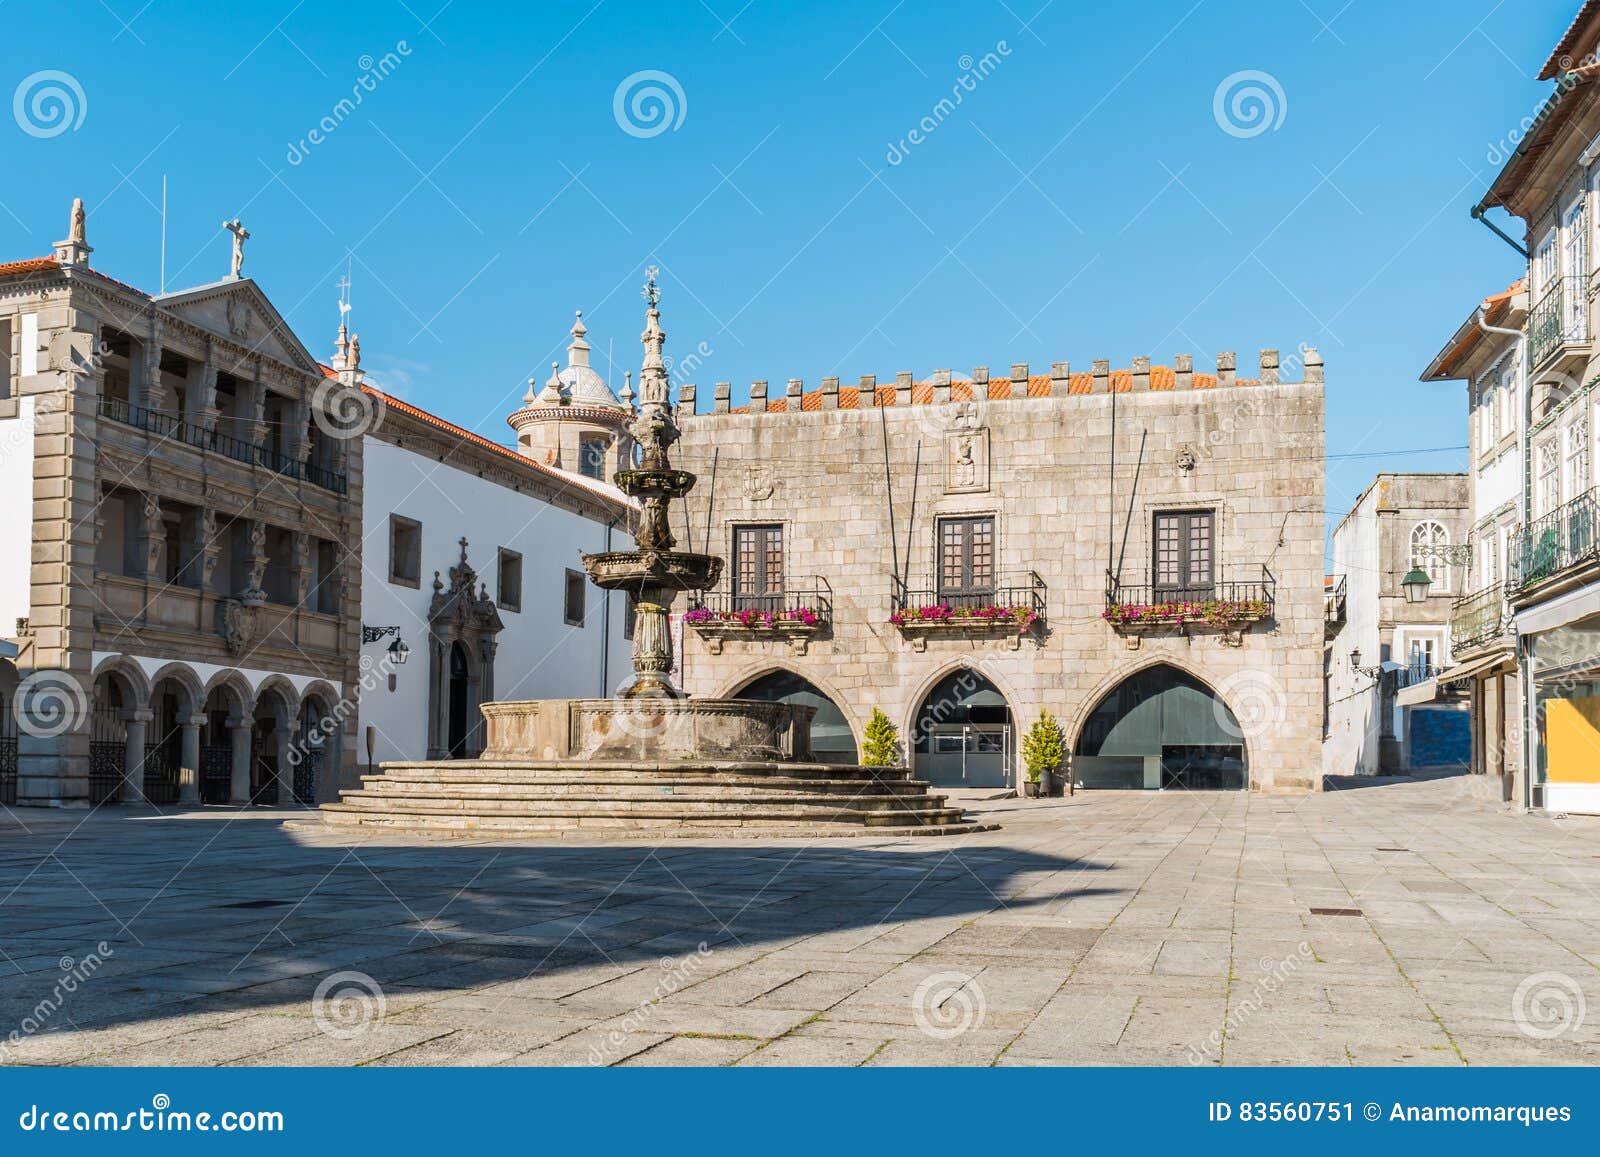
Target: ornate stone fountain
{"x": 650, "y": 762}
{"x": 653, "y": 573}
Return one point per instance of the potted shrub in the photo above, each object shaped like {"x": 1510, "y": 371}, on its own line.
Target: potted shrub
{"x": 883, "y": 742}
{"x": 1042, "y": 751}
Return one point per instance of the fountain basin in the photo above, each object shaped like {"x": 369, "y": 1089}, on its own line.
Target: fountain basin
{"x": 641, "y": 570}
{"x": 656, "y": 730}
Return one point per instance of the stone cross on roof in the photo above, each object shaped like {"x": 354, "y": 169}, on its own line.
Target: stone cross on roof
{"x": 240, "y": 236}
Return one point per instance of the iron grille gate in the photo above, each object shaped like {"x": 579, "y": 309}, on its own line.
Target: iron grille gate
{"x": 161, "y": 772}
{"x": 216, "y": 774}
{"x": 108, "y": 751}
{"x": 305, "y": 777}
{"x": 8, "y": 754}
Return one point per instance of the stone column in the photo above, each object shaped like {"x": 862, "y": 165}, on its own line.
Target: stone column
{"x": 132, "y": 789}
{"x": 203, "y": 392}
{"x": 288, "y": 743}
{"x": 239, "y": 770}
{"x": 189, "y": 761}
{"x": 438, "y": 697}
{"x": 152, "y": 390}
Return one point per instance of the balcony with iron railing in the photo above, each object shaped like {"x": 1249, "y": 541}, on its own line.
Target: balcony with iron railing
{"x": 1013, "y": 606}
{"x": 803, "y": 605}
{"x": 1558, "y": 321}
{"x": 177, "y": 428}
{"x": 1417, "y": 671}
{"x": 1550, "y": 546}
{"x": 1478, "y": 618}
{"x": 1335, "y": 605}
{"x": 1242, "y": 595}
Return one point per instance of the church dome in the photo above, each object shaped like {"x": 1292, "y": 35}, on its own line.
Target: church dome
{"x": 580, "y": 383}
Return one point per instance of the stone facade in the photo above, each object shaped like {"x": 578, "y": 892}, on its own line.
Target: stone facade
{"x": 193, "y": 592}
{"x": 1401, "y": 521}
{"x": 1073, "y": 469}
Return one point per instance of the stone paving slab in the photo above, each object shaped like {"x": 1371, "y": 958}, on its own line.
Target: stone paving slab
{"x": 1105, "y": 929}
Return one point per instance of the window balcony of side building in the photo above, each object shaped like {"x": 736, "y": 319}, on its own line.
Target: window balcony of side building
{"x": 1555, "y": 552}
{"x": 793, "y": 610}
{"x": 1558, "y": 328}
{"x": 1479, "y": 619}
{"x": 181, "y": 430}
{"x": 1241, "y": 596}
{"x": 1011, "y": 609}
{"x": 1335, "y": 607}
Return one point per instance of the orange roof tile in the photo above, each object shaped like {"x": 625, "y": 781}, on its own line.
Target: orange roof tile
{"x": 31, "y": 265}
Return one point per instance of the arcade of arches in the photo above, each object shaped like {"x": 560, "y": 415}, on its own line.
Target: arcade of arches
{"x": 178, "y": 740}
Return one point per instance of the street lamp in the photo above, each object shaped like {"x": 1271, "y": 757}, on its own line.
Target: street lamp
{"x": 399, "y": 652}
{"x": 1416, "y": 584}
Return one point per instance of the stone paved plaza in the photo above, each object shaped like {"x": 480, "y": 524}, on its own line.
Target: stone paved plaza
{"x": 1106, "y": 929}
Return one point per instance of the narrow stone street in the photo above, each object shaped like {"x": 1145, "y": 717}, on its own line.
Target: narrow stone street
{"x": 1406, "y": 922}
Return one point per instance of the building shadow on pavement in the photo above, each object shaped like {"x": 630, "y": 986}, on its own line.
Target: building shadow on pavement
{"x": 187, "y": 914}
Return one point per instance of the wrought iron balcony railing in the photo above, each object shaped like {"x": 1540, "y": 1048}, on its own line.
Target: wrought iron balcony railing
{"x": 1334, "y": 605}
{"x": 1559, "y": 319}
{"x": 1243, "y": 594}
{"x": 1011, "y": 605}
{"x": 804, "y": 604}
{"x": 1479, "y": 617}
{"x": 1564, "y": 538}
{"x": 177, "y": 428}
{"x": 1417, "y": 671}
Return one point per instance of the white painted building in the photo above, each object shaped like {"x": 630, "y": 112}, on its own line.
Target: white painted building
{"x": 472, "y": 561}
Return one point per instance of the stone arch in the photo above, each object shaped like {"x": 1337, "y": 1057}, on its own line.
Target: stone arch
{"x": 767, "y": 670}
{"x": 1072, "y": 726}
{"x": 187, "y": 680}
{"x": 231, "y": 682}
{"x": 318, "y": 756}
{"x": 972, "y": 744}
{"x": 271, "y": 740}
{"x": 1161, "y": 725}
{"x": 137, "y": 683}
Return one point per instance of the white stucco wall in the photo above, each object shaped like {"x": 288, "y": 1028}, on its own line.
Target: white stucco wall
{"x": 16, "y": 514}
{"x": 1497, "y": 484}
{"x": 1352, "y": 742}
{"x": 540, "y": 656}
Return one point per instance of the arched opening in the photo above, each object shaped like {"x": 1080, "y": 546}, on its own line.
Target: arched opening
{"x": 460, "y": 696}
{"x": 270, "y": 741}
{"x": 831, "y": 738}
{"x": 9, "y": 680}
{"x": 172, "y": 705}
{"x": 963, "y": 735}
{"x": 316, "y": 751}
{"x": 1161, "y": 729}
{"x": 111, "y": 710}
{"x": 224, "y": 708}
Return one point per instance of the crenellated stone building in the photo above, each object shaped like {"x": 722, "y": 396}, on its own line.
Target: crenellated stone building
{"x": 180, "y": 551}
{"x": 1137, "y": 551}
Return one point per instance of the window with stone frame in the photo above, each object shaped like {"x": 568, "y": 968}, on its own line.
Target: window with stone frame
{"x": 1427, "y": 539}
{"x": 572, "y": 603}
{"x": 1488, "y": 414}
{"x": 966, "y": 560}
{"x": 1183, "y": 555}
{"x": 324, "y": 597}
{"x": 508, "y": 584}
{"x": 1575, "y": 266}
{"x": 1577, "y": 464}
{"x": 5, "y": 357}
{"x": 405, "y": 551}
{"x": 1508, "y": 396}
{"x": 1547, "y": 477}
{"x": 592, "y": 457}
{"x": 758, "y": 567}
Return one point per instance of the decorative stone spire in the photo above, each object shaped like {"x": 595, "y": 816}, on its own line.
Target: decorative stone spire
{"x": 627, "y": 388}
{"x": 578, "y": 349}
{"x": 75, "y": 249}
{"x": 555, "y": 390}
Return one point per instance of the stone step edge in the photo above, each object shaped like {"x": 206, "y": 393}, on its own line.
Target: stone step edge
{"x": 685, "y": 832}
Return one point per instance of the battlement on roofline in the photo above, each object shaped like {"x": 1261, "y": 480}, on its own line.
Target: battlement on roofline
{"x": 942, "y": 386}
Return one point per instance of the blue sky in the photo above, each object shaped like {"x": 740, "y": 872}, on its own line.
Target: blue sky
{"x": 1082, "y": 201}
